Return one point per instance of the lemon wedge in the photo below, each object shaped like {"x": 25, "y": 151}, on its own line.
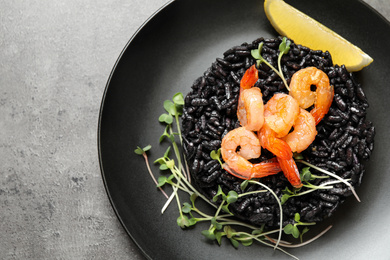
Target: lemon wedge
{"x": 304, "y": 30}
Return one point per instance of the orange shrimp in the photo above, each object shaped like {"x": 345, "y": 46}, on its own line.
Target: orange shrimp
{"x": 250, "y": 77}
{"x": 280, "y": 113}
{"x": 322, "y": 98}
{"x": 290, "y": 171}
{"x": 236, "y": 163}
{"x": 304, "y": 132}
{"x": 269, "y": 141}
{"x": 250, "y": 111}
{"x": 283, "y": 154}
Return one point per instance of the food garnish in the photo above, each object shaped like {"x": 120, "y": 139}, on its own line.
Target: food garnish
{"x": 280, "y": 124}
{"x": 304, "y": 30}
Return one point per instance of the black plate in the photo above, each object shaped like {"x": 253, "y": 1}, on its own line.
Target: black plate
{"x": 164, "y": 57}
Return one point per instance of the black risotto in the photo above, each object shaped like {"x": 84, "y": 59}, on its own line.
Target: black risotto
{"x": 345, "y": 137}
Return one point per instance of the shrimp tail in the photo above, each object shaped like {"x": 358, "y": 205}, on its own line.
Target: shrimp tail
{"x": 291, "y": 172}
{"x": 275, "y": 145}
{"x": 233, "y": 172}
{"x": 250, "y": 77}
{"x": 266, "y": 168}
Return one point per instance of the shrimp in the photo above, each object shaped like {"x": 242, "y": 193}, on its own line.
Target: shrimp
{"x": 250, "y": 111}
{"x": 237, "y": 164}
{"x": 304, "y": 132}
{"x": 280, "y": 113}
{"x": 250, "y": 77}
{"x": 322, "y": 98}
{"x": 291, "y": 172}
{"x": 283, "y": 154}
{"x": 269, "y": 141}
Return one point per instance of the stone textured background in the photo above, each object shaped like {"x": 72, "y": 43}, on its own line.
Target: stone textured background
{"x": 55, "y": 59}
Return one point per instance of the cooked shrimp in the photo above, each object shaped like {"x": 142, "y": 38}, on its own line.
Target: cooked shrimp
{"x": 283, "y": 154}
{"x": 250, "y": 77}
{"x": 304, "y": 132}
{"x": 300, "y": 85}
{"x": 237, "y": 163}
{"x": 250, "y": 111}
{"x": 280, "y": 113}
{"x": 269, "y": 141}
{"x": 290, "y": 171}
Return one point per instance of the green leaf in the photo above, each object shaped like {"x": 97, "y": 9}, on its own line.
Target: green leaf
{"x": 186, "y": 208}
{"x": 160, "y": 160}
{"x": 284, "y": 198}
{"x": 192, "y": 221}
{"x": 234, "y": 242}
{"x": 165, "y": 134}
{"x": 295, "y": 231}
{"x": 244, "y": 184}
{"x": 183, "y": 222}
{"x": 231, "y": 197}
{"x": 139, "y": 150}
{"x": 163, "y": 167}
{"x": 246, "y": 240}
{"x": 170, "y": 177}
{"x": 225, "y": 208}
{"x": 167, "y": 152}
{"x": 161, "y": 181}
{"x": 193, "y": 198}
{"x": 216, "y": 224}
{"x": 218, "y": 236}
{"x": 209, "y": 234}
{"x": 219, "y": 193}
{"x": 229, "y": 231}
{"x": 255, "y": 54}
{"x": 306, "y": 174}
{"x": 297, "y": 217}
{"x": 178, "y": 99}
{"x": 165, "y": 118}
{"x": 170, "y": 107}
{"x": 288, "y": 229}
{"x": 170, "y": 164}
{"x": 215, "y": 154}
{"x": 284, "y": 46}
{"x": 256, "y": 232}
{"x": 303, "y": 232}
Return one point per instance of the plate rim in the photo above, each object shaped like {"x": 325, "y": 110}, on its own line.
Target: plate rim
{"x": 102, "y": 173}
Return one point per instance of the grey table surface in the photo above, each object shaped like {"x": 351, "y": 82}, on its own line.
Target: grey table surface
{"x": 55, "y": 59}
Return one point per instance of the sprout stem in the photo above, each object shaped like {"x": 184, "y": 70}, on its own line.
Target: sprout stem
{"x": 151, "y": 174}
{"x": 332, "y": 175}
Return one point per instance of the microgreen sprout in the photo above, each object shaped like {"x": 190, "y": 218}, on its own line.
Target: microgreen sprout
{"x": 293, "y": 228}
{"x": 215, "y": 155}
{"x": 175, "y": 174}
{"x": 332, "y": 175}
{"x": 284, "y": 47}
{"x": 142, "y": 151}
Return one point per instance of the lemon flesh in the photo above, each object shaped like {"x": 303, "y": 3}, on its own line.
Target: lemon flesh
{"x": 304, "y": 30}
